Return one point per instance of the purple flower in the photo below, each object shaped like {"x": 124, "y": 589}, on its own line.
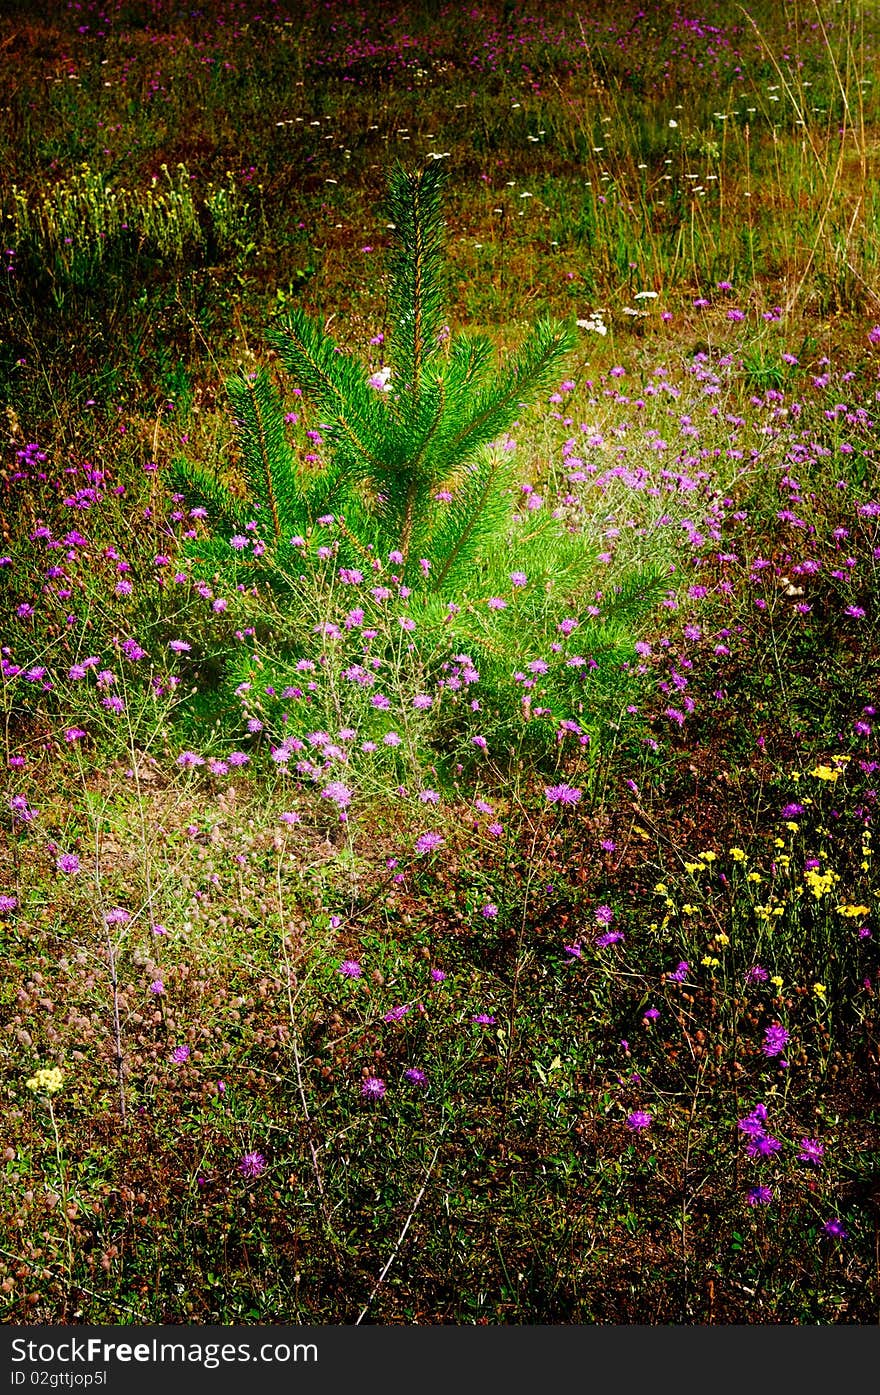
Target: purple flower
{"x": 754, "y": 1124}
{"x": 157, "y": 987}
{"x": 562, "y": 794}
{"x": 490, "y": 911}
{"x": 372, "y": 1088}
{"x": 180, "y": 1054}
{"x": 415, "y": 1076}
{"x": 74, "y": 734}
{"x": 763, "y": 1146}
{"x": 757, "y": 974}
{"x": 437, "y": 975}
{"x": 604, "y": 915}
{"x": 650, "y": 1014}
{"x": 611, "y": 937}
{"x": 812, "y": 1151}
{"x": 179, "y": 646}
{"x": 836, "y": 1229}
{"x": 350, "y": 968}
{"x": 679, "y": 973}
{"x": 759, "y": 1196}
{"x": 8, "y": 903}
{"x": 252, "y": 1165}
{"x": 67, "y": 862}
{"x": 428, "y": 842}
{"x": 573, "y": 951}
{"x": 638, "y": 1121}
{"x": 775, "y": 1040}
{"x": 338, "y": 792}
{"x": 189, "y": 758}
{"x": 483, "y": 1019}
{"x": 791, "y": 810}
{"x": 396, "y": 1013}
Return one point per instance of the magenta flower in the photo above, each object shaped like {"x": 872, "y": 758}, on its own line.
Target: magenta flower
{"x": 350, "y": 968}
{"x": 180, "y": 1054}
{"x": 759, "y": 1196}
{"x": 604, "y": 915}
{"x": 252, "y": 1165}
{"x": 437, "y": 975}
{"x": 415, "y": 1076}
{"x": 638, "y": 1121}
{"x": 428, "y": 842}
{"x": 338, "y": 792}
{"x": 372, "y": 1088}
{"x": 775, "y": 1040}
{"x": 67, "y": 862}
{"x": 836, "y": 1229}
{"x": 395, "y": 1014}
{"x": 562, "y": 794}
{"x": 812, "y": 1151}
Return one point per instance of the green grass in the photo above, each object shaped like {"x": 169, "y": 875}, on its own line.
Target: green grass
{"x": 719, "y": 724}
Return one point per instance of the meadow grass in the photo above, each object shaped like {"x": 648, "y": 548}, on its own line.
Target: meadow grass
{"x": 370, "y": 964}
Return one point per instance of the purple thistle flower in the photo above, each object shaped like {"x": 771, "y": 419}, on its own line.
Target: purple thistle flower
{"x": 396, "y": 1013}
{"x": 757, "y": 974}
{"x": 8, "y": 903}
{"x": 438, "y": 976}
{"x": 611, "y": 937}
{"x": 836, "y": 1229}
{"x": 812, "y": 1151}
{"x": 252, "y": 1165}
{"x": 180, "y": 1054}
{"x": 679, "y": 973}
{"x": 759, "y": 1196}
{"x": 483, "y": 1019}
{"x": 428, "y": 842}
{"x": 338, "y": 792}
{"x": 638, "y": 1121}
{"x": 350, "y": 968}
{"x": 67, "y": 862}
{"x": 754, "y": 1124}
{"x": 562, "y": 794}
{"x": 415, "y": 1076}
{"x": 573, "y": 951}
{"x": 372, "y": 1088}
{"x": 604, "y": 915}
{"x": 775, "y": 1040}
{"x": 763, "y": 1146}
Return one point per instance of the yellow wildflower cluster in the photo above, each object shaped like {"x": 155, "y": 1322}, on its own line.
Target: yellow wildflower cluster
{"x": 820, "y": 882}
{"x": 854, "y": 911}
{"x": 48, "y": 1080}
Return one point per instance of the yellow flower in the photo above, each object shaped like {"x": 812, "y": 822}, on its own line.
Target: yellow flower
{"x": 753, "y": 877}
{"x": 709, "y": 961}
{"x": 853, "y": 911}
{"x": 792, "y": 827}
{"x": 722, "y": 939}
{"x": 776, "y": 981}
{"x": 708, "y": 856}
{"x": 779, "y": 842}
{"x": 661, "y": 888}
{"x": 819, "y": 989}
{"x": 688, "y": 909}
{"x": 737, "y": 854}
{"x": 49, "y": 1080}
{"x": 693, "y": 867}
{"x": 825, "y": 772}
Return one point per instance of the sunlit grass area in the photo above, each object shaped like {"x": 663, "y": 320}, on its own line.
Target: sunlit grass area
{"x": 440, "y": 536}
